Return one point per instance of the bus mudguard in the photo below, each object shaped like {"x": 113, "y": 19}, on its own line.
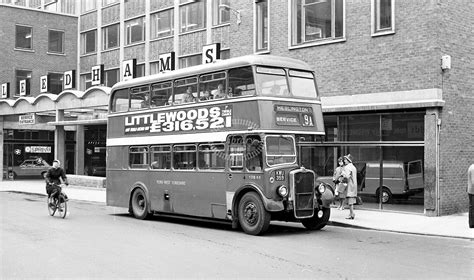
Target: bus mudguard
{"x": 270, "y": 205}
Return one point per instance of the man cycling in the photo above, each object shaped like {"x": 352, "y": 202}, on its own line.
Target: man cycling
{"x": 53, "y": 179}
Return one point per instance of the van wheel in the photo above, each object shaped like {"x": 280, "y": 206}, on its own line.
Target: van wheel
{"x": 386, "y": 195}
{"x": 139, "y": 204}
{"x": 253, "y": 217}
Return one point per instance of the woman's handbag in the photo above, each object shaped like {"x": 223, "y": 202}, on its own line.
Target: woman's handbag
{"x": 359, "y": 200}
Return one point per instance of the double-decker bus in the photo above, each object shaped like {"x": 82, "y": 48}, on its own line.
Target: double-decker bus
{"x": 217, "y": 141}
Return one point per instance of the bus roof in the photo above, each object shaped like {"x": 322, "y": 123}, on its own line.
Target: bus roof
{"x": 267, "y": 60}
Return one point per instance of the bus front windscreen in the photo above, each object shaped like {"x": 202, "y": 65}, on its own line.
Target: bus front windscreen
{"x": 302, "y": 84}
{"x": 280, "y": 150}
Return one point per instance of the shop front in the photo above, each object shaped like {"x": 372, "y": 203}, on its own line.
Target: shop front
{"x": 70, "y": 127}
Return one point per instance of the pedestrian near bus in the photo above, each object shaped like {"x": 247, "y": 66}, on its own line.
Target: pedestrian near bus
{"x": 350, "y": 174}
{"x": 340, "y": 186}
{"x": 470, "y": 192}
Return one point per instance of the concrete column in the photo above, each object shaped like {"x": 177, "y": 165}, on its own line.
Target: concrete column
{"x": 79, "y": 150}
{"x": 431, "y": 163}
{"x": 1, "y": 148}
{"x": 59, "y": 139}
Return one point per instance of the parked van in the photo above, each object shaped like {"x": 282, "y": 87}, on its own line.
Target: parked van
{"x": 399, "y": 179}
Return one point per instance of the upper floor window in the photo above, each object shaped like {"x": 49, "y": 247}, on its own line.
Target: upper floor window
{"x": 88, "y": 5}
{"x": 162, "y": 24}
{"x": 55, "y": 82}
{"x": 261, "y": 34}
{"x": 55, "y": 41}
{"x": 88, "y": 40}
{"x": 135, "y": 31}
{"x": 111, "y": 36}
{"x": 313, "y": 20}
{"x": 23, "y": 78}
{"x": 220, "y": 11}
{"x": 383, "y": 16}
{"x": 109, "y": 2}
{"x": 111, "y": 77}
{"x": 24, "y": 35}
{"x": 190, "y": 60}
{"x": 192, "y": 16}
{"x": 85, "y": 81}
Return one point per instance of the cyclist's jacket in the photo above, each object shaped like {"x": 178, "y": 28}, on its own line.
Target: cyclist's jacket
{"x": 53, "y": 175}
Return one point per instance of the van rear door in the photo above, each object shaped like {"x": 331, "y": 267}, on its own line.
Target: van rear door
{"x": 415, "y": 175}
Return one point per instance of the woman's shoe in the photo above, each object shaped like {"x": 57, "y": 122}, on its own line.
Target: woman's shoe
{"x": 350, "y": 218}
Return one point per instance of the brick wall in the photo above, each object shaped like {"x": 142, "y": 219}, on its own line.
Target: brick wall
{"x": 38, "y": 60}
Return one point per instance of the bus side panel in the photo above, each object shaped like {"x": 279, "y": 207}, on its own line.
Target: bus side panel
{"x": 118, "y": 188}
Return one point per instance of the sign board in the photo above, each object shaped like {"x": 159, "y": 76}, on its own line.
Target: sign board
{"x": 38, "y": 149}
{"x": 69, "y": 79}
{"x": 129, "y": 69}
{"x": 5, "y": 90}
{"x": 211, "y": 53}
{"x": 167, "y": 62}
{"x": 201, "y": 119}
{"x": 23, "y": 88}
{"x": 27, "y": 119}
{"x": 97, "y": 75}
{"x": 293, "y": 115}
{"x": 44, "y": 84}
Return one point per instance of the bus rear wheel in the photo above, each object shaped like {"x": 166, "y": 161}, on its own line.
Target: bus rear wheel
{"x": 139, "y": 204}
{"x": 253, "y": 217}
{"x": 318, "y": 221}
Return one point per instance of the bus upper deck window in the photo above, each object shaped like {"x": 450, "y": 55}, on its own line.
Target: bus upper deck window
{"x": 140, "y": 97}
{"x": 120, "y": 100}
{"x": 302, "y": 84}
{"x": 241, "y": 82}
{"x": 160, "y": 94}
{"x": 272, "y": 82}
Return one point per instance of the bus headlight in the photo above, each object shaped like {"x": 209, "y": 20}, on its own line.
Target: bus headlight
{"x": 282, "y": 191}
{"x": 321, "y": 188}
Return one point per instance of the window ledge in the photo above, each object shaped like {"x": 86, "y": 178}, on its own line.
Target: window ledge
{"x": 24, "y": 50}
{"x": 221, "y": 25}
{"x": 111, "y": 49}
{"x": 161, "y": 38}
{"x": 383, "y": 33}
{"x": 135, "y": 44}
{"x": 54, "y": 53}
{"x": 262, "y": 52}
{"x": 88, "y": 54}
{"x": 317, "y": 43}
{"x": 193, "y": 31}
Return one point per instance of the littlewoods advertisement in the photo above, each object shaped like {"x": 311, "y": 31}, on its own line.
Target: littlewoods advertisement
{"x": 216, "y": 117}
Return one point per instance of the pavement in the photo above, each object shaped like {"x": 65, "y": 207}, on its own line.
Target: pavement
{"x": 453, "y": 226}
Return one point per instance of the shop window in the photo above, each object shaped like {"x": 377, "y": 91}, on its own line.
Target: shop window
{"x": 162, "y": 24}
{"x": 55, "y": 41}
{"x": 316, "y": 20}
{"x": 23, "y": 37}
{"x": 55, "y": 83}
{"x": 135, "y": 31}
{"x": 23, "y": 78}
{"x": 220, "y": 11}
{"x": 359, "y": 128}
{"x": 192, "y": 15}
{"x": 403, "y": 127}
{"x": 111, "y": 36}
{"x": 383, "y": 16}
{"x": 88, "y": 42}
{"x": 184, "y": 157}
{"x": 261, "y": 34}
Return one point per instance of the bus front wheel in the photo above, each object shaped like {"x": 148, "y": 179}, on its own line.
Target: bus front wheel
{"x": 139, "y": 204}
{"x": 316, "y": 222}
{"x": 253, "y": 217}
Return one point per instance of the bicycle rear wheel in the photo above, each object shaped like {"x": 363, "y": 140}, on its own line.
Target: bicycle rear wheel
{"x": 51, "y": 206}
{"x": 62, "y": 206}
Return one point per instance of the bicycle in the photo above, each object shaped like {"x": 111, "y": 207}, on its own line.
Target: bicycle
{"x": 57, "y": 202}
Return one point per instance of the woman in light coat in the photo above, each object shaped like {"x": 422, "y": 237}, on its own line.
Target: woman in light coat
{"x": 350, "y": 174}
{"x": 340, "y": 186}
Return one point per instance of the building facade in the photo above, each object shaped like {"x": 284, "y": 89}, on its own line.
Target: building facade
{"x": 394, "y": 76}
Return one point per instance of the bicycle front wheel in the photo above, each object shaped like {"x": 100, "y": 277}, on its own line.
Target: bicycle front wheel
{"x": 51, "y": 206}
{"x": 62, "y": 206}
